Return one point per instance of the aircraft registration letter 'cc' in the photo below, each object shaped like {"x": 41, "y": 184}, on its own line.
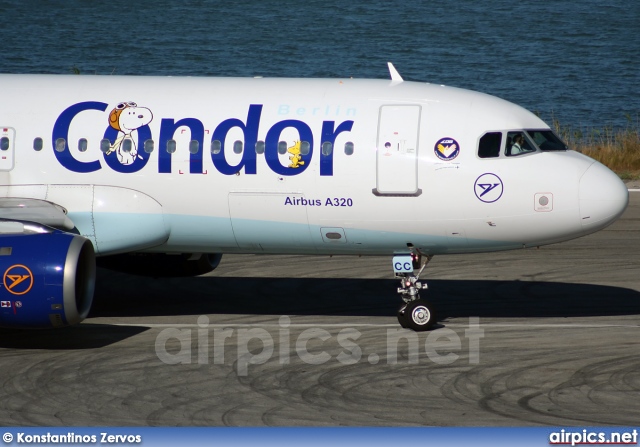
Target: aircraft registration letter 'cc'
{"x": 164, "y": 175}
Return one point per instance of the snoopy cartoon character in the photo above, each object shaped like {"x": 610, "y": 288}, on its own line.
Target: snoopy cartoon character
{"x": 126, "y": 118}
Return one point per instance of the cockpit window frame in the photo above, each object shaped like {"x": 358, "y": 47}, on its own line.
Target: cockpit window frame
{"x": 527, "y": 133}
{"x": 500, "y": 149}
{"x": 565, "y": 147}
{"x": 528, "y": 141}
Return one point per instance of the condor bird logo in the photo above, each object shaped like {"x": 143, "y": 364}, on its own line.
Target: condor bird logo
{"x": 488, "y": 188}
{"x": 18, "y": 279}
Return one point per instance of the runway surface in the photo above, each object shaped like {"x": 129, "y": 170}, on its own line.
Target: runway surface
{"x": 543, "y": 336}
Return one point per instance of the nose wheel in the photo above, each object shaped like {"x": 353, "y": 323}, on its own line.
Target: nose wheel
{"x": 415, "y": 313}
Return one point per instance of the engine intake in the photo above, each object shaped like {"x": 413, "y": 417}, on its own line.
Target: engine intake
{"x": 48, "y": 279}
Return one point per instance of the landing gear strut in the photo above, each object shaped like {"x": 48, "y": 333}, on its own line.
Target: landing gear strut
{"x": 415, "y": 313}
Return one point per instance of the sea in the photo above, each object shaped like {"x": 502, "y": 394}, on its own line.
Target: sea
{"x": 575, "y": 61}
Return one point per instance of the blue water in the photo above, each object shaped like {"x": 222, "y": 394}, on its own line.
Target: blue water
{"x": 577, "y": 60}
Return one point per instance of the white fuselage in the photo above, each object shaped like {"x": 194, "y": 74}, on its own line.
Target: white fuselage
{"x": 361, "y": 171}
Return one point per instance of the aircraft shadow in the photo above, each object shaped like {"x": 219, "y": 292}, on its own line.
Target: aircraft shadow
{"x": 82, "y": 336}
{"x": 122, "y": 295}
{"x": 126, "y": 295}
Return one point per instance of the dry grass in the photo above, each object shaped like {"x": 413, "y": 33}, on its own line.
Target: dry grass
{"x": 619, "y": 149}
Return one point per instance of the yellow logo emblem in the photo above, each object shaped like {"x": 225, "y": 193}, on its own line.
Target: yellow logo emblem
{"x": 18, "y": 279}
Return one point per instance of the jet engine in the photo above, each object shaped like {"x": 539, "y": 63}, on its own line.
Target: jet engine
{"x": 48, "y": 276}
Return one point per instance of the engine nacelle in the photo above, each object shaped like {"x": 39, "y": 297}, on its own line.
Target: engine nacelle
{"x": 48, "y": 279}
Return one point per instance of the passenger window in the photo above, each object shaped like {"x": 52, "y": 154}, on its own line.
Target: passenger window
{"x": 105, "y": 145}
{"x": 4, "y": 143}
{"x": 237, "y": 147}
{"x": 149, "y": 146}
{"x": 216, "y": 147}
{"x": 305, "y": 147}
{"x": 37, "y": 144}
{"x": 348, "y": 148}
{"x": 517, "y": 144}
{"x": 327, "y": 147}
{"x": 489, "y": 146}
{"x": 194, "y": 146}
{"x": 171, "y": 146}
{"x": 126, "y": 145}
{"x": 282, "y": 147}
{"x": 260, "y": 147}
{"x": 82, "y": 144}
{"x": 61, "y": 144}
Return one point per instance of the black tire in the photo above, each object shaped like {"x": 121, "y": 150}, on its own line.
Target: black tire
{"x": 419, "y": 315}
{"x": 402, "y": 316}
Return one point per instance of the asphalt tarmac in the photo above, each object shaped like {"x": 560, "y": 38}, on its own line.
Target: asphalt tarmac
{"x": 543, "y": 336}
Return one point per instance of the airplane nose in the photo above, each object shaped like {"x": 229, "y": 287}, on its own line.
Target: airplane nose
{"x": 603, "y": 197}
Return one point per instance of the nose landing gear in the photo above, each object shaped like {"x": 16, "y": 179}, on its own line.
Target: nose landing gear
{"x": 415, "y": 313}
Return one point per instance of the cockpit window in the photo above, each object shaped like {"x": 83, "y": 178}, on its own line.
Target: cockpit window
{"x": 489, "y": 146}
{"x": 547, "y": 140}
{"x": 518, "y": 143}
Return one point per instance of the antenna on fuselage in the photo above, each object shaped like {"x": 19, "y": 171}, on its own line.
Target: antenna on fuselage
{"x": 395, "y": 76}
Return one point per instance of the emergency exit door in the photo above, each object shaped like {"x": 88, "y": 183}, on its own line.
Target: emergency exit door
{"x": 397, "y": 150}
{"x": 7, "y": 148}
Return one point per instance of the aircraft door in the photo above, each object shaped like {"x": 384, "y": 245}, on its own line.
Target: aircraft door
{"x": 397, "y": 150}
{"x": 7, "y": 148}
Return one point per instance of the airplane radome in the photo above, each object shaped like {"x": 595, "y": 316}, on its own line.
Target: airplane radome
{"x": 164, "y": 175}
